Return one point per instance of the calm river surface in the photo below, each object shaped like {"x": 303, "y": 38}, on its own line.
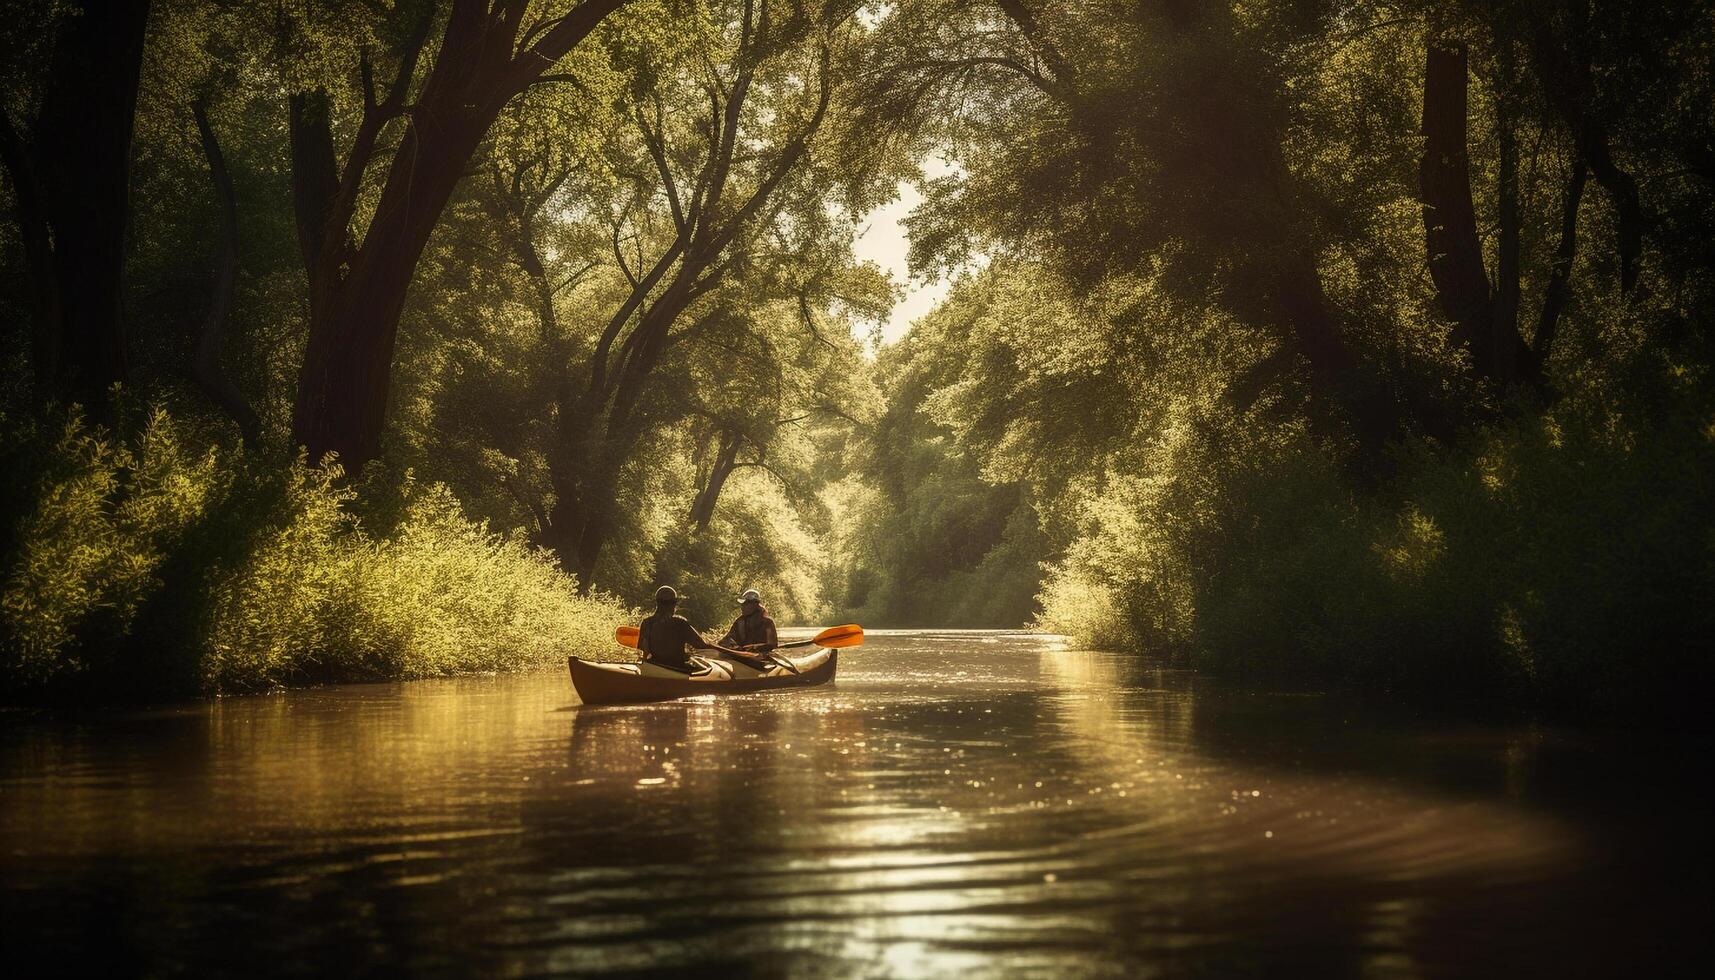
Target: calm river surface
{"x": 957, "y": 803}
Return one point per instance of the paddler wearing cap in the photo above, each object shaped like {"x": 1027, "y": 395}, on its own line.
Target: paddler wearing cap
{"x": 752, "y": 630}
{"x": 664, "y": 637}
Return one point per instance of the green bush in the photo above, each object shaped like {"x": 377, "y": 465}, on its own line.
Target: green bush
{"x": 88, "y": 553}
{"x": 1563, "y": 559}
{"x": 151, "y": 562}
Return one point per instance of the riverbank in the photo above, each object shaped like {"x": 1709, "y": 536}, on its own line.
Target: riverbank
{"x": 1559, "y": 564}
{"x": 152, "y": 562}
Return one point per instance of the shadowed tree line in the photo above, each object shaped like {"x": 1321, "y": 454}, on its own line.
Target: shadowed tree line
{"x": 1327, "y": 343}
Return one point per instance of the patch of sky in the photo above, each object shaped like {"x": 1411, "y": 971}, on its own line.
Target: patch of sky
{"x": 882, "y": 239}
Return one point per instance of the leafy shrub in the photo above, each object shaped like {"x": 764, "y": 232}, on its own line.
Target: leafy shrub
{"x": 145, "y": 564}
{"x": 1564, "y": 559}
{"x": 87, "y": 555}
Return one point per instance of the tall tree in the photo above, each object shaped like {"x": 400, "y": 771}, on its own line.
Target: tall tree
{"x": 1179, "y": 128}
{"x": 486, "y": 57}
{"x": 1564, "y": 56}
{"x": 720, "y": 172}
{"x": 70, "y": 172}
{"x": 1485, "y": 318}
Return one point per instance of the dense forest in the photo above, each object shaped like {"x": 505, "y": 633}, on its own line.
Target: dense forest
{"x": 1310, "y": 342}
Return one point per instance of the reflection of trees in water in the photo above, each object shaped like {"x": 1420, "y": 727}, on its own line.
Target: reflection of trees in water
{"x": 650, "y": 843}
{"x": 329, "y": 830}
{"x": 477, "y": 825}
{"x": 929, "y": 834}
{"x": 1247, "y": 815}
{"x": 329, "y": 763}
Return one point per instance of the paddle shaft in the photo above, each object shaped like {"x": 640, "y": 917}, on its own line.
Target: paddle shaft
{"x": 834, "y": 637}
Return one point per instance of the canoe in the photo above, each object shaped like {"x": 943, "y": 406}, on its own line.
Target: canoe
{"x": 602, "y": 683}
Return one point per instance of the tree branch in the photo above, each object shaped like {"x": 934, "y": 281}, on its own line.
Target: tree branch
{"x": 788, "y": 159}
{"x": 1560, "y": 274}
{"x": 206, "y": 367}
{"x": 375, "y": 118}
{"x": 653, "y": 139}
{"x": 1031, "y": 28}
{"x": 619, "y": 256}
{"x": 557, "y": 36}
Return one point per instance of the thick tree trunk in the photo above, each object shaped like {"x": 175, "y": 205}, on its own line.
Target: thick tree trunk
{"x": 584, "y": 487}
{"x": 357, "y": 294}
{"x": 84, "y": 154}
{"x": 1338, "y": 380}
{"x": 581, "y": 522}
{"x": 564, "y": 526}
{"x": 596, "y": 431}
{"x": 72, "y": 178}
{"x": 348, "y": 363}
{"x": 595, "y": 446}
{"x": 37, "y": 237}
{"x": 1485, "y": 321}
{"x": 620, "y": 432}
{"x": 586, "y": 474}
{"x": 315, "y": 174}
{"x": 1449, "y": 218}
{"x": 598, "y": 528}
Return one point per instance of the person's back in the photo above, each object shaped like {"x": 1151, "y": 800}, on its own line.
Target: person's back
{"x": 664, "y": 637}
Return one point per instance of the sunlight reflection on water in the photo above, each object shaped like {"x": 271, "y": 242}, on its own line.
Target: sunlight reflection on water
{"x": 957, "y": 802}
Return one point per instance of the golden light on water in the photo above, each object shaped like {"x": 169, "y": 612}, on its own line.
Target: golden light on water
{"x": 1043, "y": 805}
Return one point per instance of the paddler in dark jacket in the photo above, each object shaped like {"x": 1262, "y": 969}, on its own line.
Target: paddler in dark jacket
{"x": 663, "y": 637}
{"x": 752, "y": 630}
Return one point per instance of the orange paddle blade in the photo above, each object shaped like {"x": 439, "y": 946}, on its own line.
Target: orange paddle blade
{"x": 626, "y": 636}
{"x": 840, "y": 637}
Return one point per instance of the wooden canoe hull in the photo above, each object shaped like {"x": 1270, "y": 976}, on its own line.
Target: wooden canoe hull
{"x": 600, "y": 683}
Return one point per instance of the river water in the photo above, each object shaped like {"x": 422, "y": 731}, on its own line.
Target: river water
{"x": 957, "y": 803}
